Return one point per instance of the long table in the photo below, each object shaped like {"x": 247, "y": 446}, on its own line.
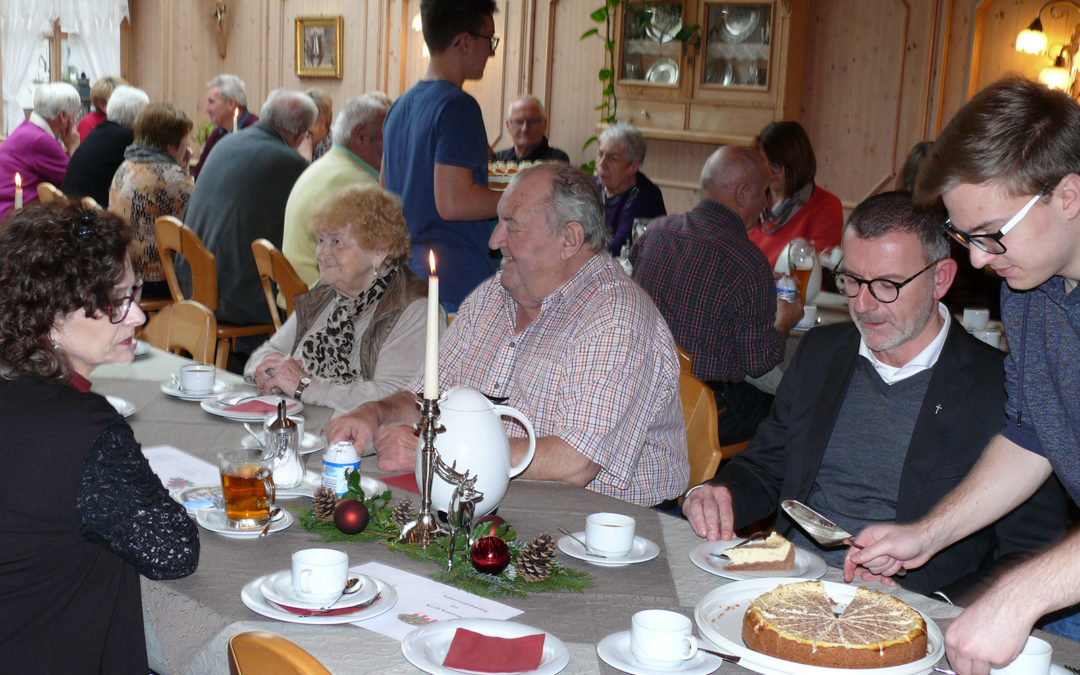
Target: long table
{"x": 189, "y": 621}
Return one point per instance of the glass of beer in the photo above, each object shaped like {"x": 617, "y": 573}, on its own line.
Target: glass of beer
{"x": 801, "y": 254}
{"x": 248, "y": 485}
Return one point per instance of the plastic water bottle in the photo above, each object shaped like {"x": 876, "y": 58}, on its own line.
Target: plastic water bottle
{"x": 337, "y": 459}
{"x": 786, "y": 289}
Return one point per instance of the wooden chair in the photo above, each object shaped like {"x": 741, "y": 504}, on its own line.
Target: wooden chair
{"x": 702, "y": 435}
{"x": 184, "y": 327}
{"x": 174, "y": 237}
{"x": 258, "y": 652}
{"x": 90, "y": 203}
{"x": 47, "y": 193}
{"x": 276, "y": 270}
{"x": 686, "y": 362}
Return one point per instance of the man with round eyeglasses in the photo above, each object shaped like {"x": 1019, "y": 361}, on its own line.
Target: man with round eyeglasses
{"x": 876, "y": 420}
{"x": 527, "y": 123}
{"x": 1007, "y": 170}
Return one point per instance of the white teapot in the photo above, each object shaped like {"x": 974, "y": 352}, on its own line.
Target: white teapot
{"x": 476, "y": 440}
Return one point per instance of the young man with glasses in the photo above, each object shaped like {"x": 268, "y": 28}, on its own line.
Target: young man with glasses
{"x": 435, "y": 150}
{"x": 527, "y": 123}
{"x": 1007, "y": 170}
{"x": 875, "y": 420}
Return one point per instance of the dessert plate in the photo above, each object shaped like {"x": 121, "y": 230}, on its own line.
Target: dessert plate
{"x": 615, "y": 651}
{"x": 808, "y": 565}
{"x": 277, "y": 588}
{"x": 214, "y": 520}
{"x": 426, "y": 646}
{"x": 253, "y": 598}
{"x": 310, "y": 443}
{"x": 172, "y": 388}
{"x": 642, "y": 550}
{"x": 219, "y": 405}
{"x": 719, "y": 618}
{"x": 125, "y": 408}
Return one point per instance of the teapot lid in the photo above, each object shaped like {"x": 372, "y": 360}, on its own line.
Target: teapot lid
{"x": 465, "y": 399}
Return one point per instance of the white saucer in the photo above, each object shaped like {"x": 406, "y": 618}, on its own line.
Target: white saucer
{"x": 172, "y": 388}
{"x": 125, "y": 408}
{"x": 253, "y": 598}
{"x": 214, "y": 520}
{"x": 310, "y": 443}
{"x": 808, "y": 565}
{"x": 615, "y": 651}
{"x": 426, "y": 647}
{"x": 642, "y": 550}
{"x": 277, "y": 588}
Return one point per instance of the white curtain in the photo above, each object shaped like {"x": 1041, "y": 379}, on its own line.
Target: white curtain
{"x": 93, "y": 28}
{"x": 22, "y": 27}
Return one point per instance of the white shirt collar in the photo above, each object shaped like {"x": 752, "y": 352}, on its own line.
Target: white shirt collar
{"x": 43, "y": 123}
{"x": 924, "y": 360}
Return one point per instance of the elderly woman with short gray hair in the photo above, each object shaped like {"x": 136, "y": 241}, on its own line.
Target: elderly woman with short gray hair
{"x": 92, "y": 166}
{"x": 40, "y": 148}
{"x": 628, "y": 193}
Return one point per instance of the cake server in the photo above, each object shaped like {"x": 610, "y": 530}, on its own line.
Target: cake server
{"x": 821, "y": 529}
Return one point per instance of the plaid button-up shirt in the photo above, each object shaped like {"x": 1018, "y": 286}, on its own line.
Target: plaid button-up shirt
{"x": 596, "y": 368}
{"x": 715, "y": 288}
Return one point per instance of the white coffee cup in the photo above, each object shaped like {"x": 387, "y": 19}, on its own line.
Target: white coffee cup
{"x": 197, "y": 378}
{"x": 661, "y": 639}
{"x": 610, "y": 534}
{"x": 976, "y": 318}
{"x": 1033, "y": 660}
{"x": 808, "y": 318}
{"x": 990, "y": 337}
{"x": 270, "y": 418}
{"x": 319, "y": 573}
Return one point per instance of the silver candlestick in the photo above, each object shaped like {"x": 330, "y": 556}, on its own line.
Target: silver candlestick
{"x": 426, "y": 527}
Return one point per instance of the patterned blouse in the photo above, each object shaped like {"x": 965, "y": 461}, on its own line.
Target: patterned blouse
{"x": 148, "y": 184}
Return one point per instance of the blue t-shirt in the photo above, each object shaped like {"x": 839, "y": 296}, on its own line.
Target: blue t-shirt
{"x": 436, "y": 122}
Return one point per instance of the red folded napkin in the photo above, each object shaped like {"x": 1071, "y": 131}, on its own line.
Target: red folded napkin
{"x": 470, "y": 650}
{"x": 254, "y": 406}
{"x": 406, "y": 481}
{"x": 300, "y": 611}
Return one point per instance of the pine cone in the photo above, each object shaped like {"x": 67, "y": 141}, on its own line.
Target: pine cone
{"x": 534, "y": 562}
{"x": 403, "y": 513}
{"x": 324, "y": 503}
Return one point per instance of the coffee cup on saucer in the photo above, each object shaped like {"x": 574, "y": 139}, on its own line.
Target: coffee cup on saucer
{"x": 990, "y": 337}
{"x": 662, "y": 639}
{"x": 610, "y": 534}
{"x": 1034, "y": 659}
{"x": 319, "y": 573}
{"x": 976, "y": 318}
{"x": 197, "y": 379}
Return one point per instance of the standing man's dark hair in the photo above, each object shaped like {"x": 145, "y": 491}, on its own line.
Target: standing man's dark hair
{"x": 443, "y": 20}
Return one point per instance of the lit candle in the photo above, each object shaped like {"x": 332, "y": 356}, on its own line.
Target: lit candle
{"x": 431, "y": 356}
{"x": 18, "y": 191}
{"x": 235, "y": 117}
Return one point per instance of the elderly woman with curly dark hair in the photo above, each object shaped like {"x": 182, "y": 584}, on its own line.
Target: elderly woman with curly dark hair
{"x": 358, "y": 335}
{"x": 81, "y": 513}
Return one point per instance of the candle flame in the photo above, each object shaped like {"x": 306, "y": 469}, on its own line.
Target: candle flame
{"x": 431, "y": 261}
{"x": 18, "y": 180}
{"x": 493, "y": 528}
{"x": 235, "y": 113}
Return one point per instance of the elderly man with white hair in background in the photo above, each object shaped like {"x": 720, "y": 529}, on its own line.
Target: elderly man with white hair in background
{"x": 40, "y": 148}
{"x": 527, "y": 123}
{"x": 355, "y": 157}
{"x": 93, "y": 165}
{"x": 226, "y": 104}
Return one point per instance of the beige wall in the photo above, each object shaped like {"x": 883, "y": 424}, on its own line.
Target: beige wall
{"x": 880, "y": 76}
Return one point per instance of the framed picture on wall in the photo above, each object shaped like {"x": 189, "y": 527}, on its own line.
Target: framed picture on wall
{"x": 318, "y": 46}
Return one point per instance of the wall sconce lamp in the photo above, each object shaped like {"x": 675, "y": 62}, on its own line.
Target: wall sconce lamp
{"x": 1032, "y": 40}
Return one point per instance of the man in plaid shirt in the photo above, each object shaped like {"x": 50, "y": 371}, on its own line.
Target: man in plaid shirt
{"x": 571, "y": 341}
{"x": 716, "y": 289}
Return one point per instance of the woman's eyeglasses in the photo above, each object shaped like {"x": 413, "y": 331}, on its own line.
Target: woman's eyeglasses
{"x": 118, "y": 310}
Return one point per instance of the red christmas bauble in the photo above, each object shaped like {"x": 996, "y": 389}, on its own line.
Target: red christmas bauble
{"x": 351, "y": 516}
{"x": 490, "y": 555}
{"x": 495, "y": 520}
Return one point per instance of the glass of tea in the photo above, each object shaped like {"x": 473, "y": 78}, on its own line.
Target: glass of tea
{"x": 248, "y": 485}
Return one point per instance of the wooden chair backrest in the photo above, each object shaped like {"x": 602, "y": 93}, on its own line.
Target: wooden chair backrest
{"x": 47, "y": 193}
{"x": 274, "y": 267}
{"x": 175, "y": 237}
{"x": 184, "y": 327}
{"x": 261, "y": 653}
{"x": 702, "y": 435}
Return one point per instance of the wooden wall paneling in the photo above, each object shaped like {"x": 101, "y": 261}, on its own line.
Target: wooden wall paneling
{"x": 500, "y": 73}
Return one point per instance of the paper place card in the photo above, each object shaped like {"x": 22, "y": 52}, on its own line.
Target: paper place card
{"x": 422, "y": 601}
{"x": 179, "y": 470}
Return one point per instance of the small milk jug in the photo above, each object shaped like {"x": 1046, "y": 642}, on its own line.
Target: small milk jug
{"x": 338, "y": 458}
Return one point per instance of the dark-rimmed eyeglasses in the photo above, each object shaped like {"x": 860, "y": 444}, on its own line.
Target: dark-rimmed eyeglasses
{"x": 118, "y": 311}
{"x": 493, "y": 39}
{"x": 990, "y": 243}
{"x": 883, "y": 290}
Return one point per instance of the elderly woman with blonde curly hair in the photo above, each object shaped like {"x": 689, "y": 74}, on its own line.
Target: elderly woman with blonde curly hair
{"x": 358, "y": 335}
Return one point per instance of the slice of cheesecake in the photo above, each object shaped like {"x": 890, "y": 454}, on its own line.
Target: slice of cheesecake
{"x": 772, "y": 553}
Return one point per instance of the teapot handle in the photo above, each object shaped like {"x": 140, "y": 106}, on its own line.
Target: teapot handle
{"x": 510, "y": 412}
